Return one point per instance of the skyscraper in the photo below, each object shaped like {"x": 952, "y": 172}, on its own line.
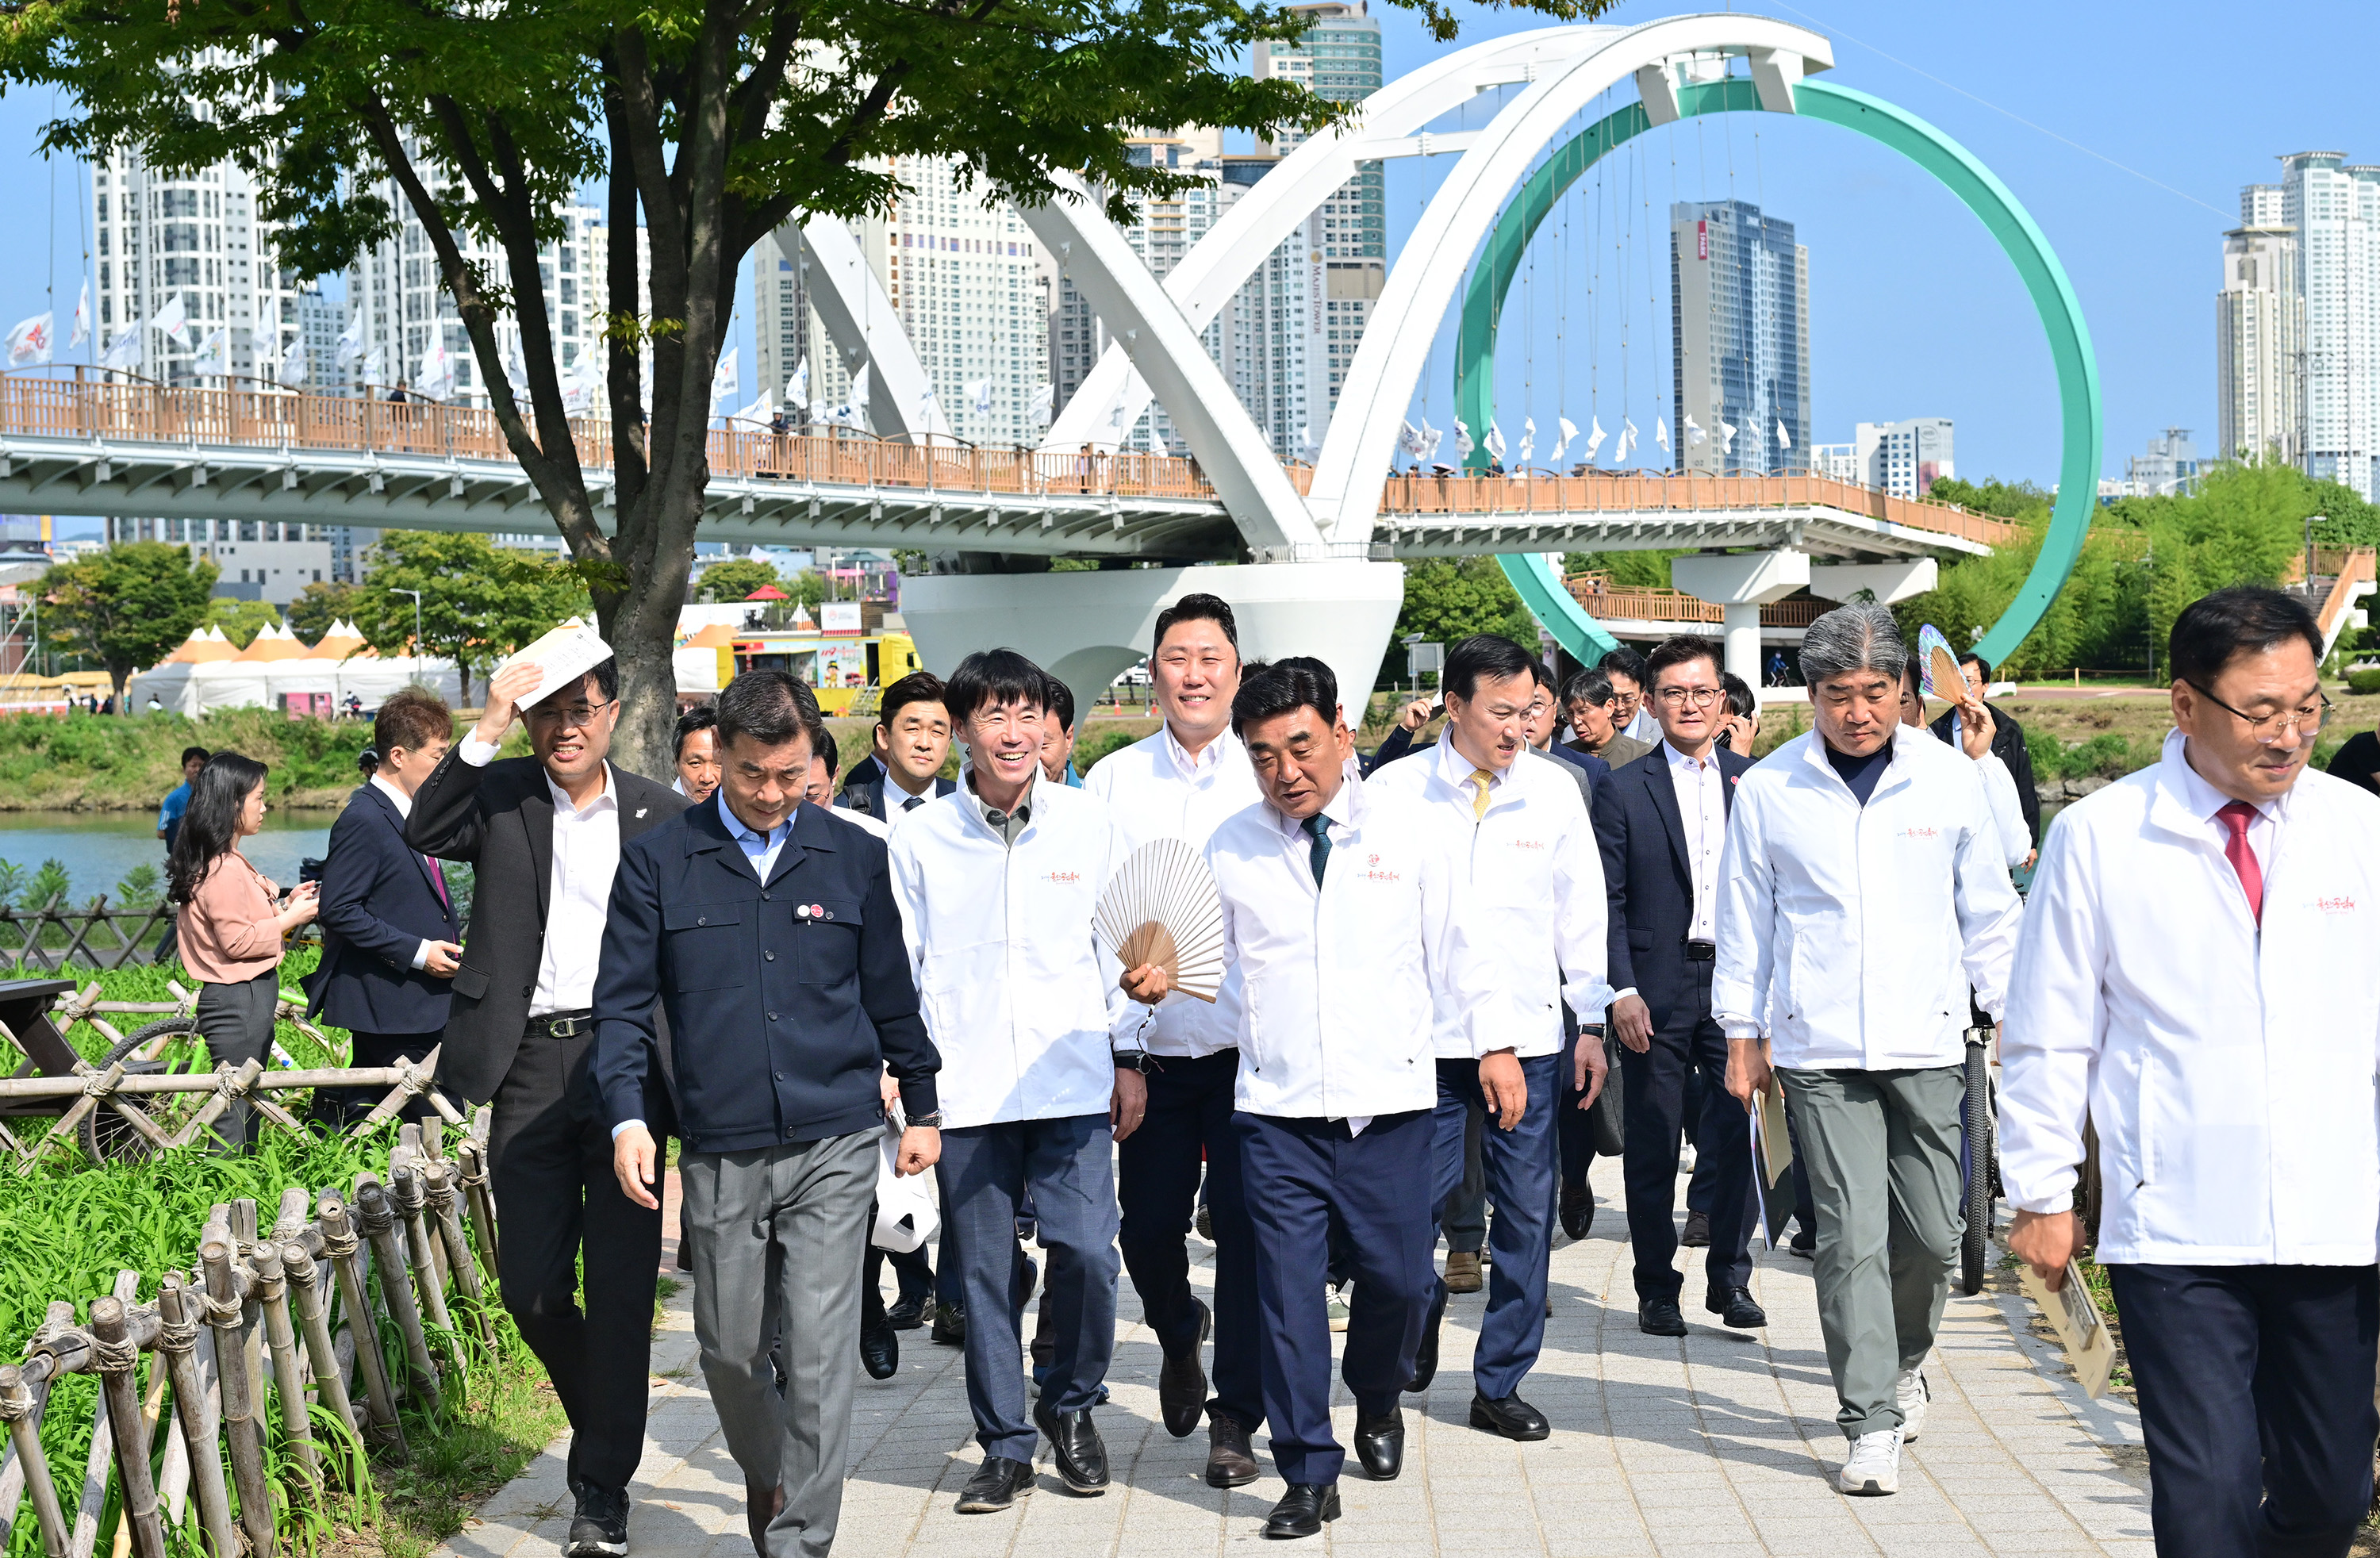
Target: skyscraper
{"x": 2259, "y": 334}
{"x": 1740, "y": 339}
{"x": 2335, "y": 210}
{"x": 1905, "y": 457}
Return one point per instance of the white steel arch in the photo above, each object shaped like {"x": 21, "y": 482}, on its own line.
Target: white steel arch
{"x": 860, "y": 319}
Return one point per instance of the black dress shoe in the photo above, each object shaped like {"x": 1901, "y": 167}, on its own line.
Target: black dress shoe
{"x": 949, "y": 1324}
{"x": 997, "y": 1485}
{"x": 880, "y": 1346}
{"x": 1182, "y": 1382}
{"x": 1381, "y": 1444}
{"x": 1303, "y": 1510}
{"x": 1229, "y": 1463}
{"x": 1697, "y": 1232}
{"x": 1509, "y": 1415}
{"x": 1426, "y": 1355}
{"x": 1735, "y": 1307}
{"x": 1659, "y": 1317}
{"x": 1577, "y": 1208}
{"x": 1082, "y": 1457}
{"x": 906, "y": 1314}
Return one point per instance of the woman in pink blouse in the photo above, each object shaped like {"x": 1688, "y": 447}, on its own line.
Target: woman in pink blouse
{"x": 232, "y": 919}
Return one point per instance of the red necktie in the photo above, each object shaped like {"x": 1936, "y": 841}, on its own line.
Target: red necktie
{"x": 2235, "y": 819}
{"x": 438, "y": 878}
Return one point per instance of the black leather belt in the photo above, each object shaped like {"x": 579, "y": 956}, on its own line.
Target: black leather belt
{"x": 561, "y": 1025}
{"x": 1702, "y": 951}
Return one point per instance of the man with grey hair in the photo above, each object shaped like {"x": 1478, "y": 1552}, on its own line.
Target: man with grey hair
{"x": 1863, "y": 892}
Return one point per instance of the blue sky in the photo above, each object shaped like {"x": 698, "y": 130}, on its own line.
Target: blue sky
{"x": 1914, "y": 311}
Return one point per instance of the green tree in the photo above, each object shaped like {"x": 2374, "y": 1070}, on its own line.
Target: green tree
{"x": 128, "y": 607}
{"x": 480, "y": 602}
{"x": 1447, "y": 599}
{"x": 2007, "y": 500}
{"x": 735, "y": 578}
{"x": 241, "y": 621}
{"x": 318, "y": 606}
{"x": 808, "y": 590}
{"x": 705, "y": 127}
{"x": 1629, "y": 570}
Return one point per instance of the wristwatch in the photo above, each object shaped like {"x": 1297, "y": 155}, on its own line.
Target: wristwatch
{"x": 928, "y": 1121}
{"x": 1133, "y": 1060}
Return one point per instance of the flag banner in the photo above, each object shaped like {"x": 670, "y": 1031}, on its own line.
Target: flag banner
{"x": 1595, "y": 438}
{"x": 1726, "y": 437}
{"x": 351, "y": 340}
{"x": 759, "y": 410}
{"x": 173, "y": 319}
{"x": 859, "y": 387}
{"x": 797, "y": 388}
{"x": 124, "y": 350}
{"x": 1661, "y": 431}
{"x": 293, "y": 364}
{"x": 1044, "y": 398}
{"x": 724, "y": 383}
{"x": 213, "y": 360}
{"x": 1784, "y": 439}
{"x": 1462, "y": 444}
{"x": 1695, "y": 436}
{"x": 978, "y": 395}
{"x": 29, "y": 344}
{"x": 1569, "y": 431}
{"x": 1409, "y": 438}
{"x": 436, "y": 379}
{"x": 1495, "y": 442}
{"x": 376, "y": 368}
{"x": 82, "y": 317}
{"x": 1627, "y": 440}
{"x": 1528, "y": 438}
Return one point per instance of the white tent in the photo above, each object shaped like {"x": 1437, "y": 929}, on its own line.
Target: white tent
{"x": 186, "y": 688}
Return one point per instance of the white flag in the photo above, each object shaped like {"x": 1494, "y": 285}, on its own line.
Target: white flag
{"x": 978, "y": 395}
{"x": 1784, "y": 439}
{"x": 351, "y": 339}
{"x": 1432, "y": 440}
{"x": 124, "y": 350}
{"x": 1409, "y": 439}
{"x": 82, "y": 317}
{"x": 1462, "y": 444}
{"x": 1595, "y": 438}
{"x": 1695, "y": 437}
{"x": 29, "y": 344}
{"x": 1726, "y": 437}
{"x": 436, "y": 379}
{"x": 927, "y": 405}
{"x": 1627, "y": 440}
{"x": 213, "y": 358}
{"x": 580, "y": 385}
{"x": 1495, "y": 442}
{"x": 1043, "y": 399}
{"x": 797, "y": 388}
{"x": 723, "y": 383}
{"x": 1569, "y": 431}
{"x": 759, "y": 410}
{"x": 1528, "y": 438}
{"x": 376, "y": 368}
{"x": 1305, "y": 436}
{"x": 1661, "y": 431}
{"x": 859, "y": 387}
{"x": 173, "y": 319}
{"x": 293, "y": 364}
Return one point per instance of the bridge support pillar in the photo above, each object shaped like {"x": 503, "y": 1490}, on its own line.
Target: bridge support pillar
{"x": 1742, "y": 582}
{"x": 1088, "y": 628}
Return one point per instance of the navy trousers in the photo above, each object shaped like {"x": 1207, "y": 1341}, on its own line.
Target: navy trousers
{"x": 1156, "y": 1182}
{"x": 984, "y": 1174}
{"x": 2255, "y": 1387}
{"x": 1520, "y": 1165}
{"x": 1308, "y": 1180}
{"x": 1654, "y": 1100}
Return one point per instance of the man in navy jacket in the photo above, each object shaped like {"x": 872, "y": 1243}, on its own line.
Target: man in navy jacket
{"x": 390, "y": 935}
{"x": 767, "y": 934}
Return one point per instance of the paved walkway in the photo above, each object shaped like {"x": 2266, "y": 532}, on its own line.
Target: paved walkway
{"x": 1721, "y": 1443}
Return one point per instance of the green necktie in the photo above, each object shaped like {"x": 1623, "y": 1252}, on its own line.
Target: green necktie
{"x": 1319, "y": 855}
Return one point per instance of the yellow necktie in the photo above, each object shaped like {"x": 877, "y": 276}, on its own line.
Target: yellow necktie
{"x": 1479, "y": 778}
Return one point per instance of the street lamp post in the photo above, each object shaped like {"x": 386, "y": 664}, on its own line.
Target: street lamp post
{"x": 417, "y": 618}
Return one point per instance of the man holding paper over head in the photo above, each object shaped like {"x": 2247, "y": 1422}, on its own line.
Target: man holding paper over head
{"x": 545, "y": 832}
{"x": 2196, "y": 978}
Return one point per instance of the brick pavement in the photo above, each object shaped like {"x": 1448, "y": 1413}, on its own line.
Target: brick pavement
{"x": 1722, "y": 1443}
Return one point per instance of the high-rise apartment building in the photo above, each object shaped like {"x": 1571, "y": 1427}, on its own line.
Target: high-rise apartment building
{"x": 319, "y": 322}
{"x": 1740, "y": 339}
{"x": 1904, "y": 458}
{"x": 787, "y": 332}
{"x": 2259, "y": 336}
{"x": 2334, "y": 210}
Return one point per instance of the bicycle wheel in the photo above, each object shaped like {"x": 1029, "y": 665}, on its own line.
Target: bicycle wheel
{"x": 1976, "y": 1116}
{"x": 170, "y": 1044}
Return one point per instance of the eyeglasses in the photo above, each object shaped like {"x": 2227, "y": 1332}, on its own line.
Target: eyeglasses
{"x": 1702, "y": 696}
{"x": 2266, "y": 729}
{"x": 577, "y": 716}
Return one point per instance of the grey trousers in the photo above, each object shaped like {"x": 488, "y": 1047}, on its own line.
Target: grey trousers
{"x": 777, "y": 1233}
{"x": 237, "y": 1022}
{"x": 1882, "y": 1149}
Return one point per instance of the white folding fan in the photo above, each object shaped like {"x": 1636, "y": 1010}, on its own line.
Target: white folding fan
{"x": 1161, "y": 906}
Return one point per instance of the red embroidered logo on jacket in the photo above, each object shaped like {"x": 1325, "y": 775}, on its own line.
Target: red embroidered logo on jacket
{"x": 1063, "y": 877}
{"x": 2340, "y": 905}
{"x": 1922, "y": 833}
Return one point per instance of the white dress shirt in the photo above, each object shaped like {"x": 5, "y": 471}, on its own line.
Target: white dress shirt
{"x": 1156, "y": 788}
{"x": 760, "y": 849}
{"x": 578, "y": 894}
{"x": 404, "y": 804}
{"x": 1529, "y": 903}
{"x": 2228, "y": 1065}
{"x": 1702, "y": 809}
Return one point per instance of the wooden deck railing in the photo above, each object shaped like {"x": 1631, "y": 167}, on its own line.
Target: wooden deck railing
{"x": 1636, "y": 604}
{"x": 1630, "y": 492}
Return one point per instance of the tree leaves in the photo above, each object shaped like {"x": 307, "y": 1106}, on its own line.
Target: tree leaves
{"x": 128, "y": 607}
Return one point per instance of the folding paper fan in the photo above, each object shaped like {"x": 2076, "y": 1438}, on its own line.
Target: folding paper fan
{"x": 1161, "y": 906}
{"x": 1937, "y": 668}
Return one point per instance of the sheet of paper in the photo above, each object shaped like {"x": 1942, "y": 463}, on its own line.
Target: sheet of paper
{"x": 2074, "y": 1315}
{"x": 566, "y": 655}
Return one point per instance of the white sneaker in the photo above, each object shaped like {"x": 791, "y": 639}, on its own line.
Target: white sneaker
{"x": 1686, "y": 1160}
{"x": 1911, "y": 1395}
{"x": 1335, "y": 1306}
{"x": 1875, "y": 1464}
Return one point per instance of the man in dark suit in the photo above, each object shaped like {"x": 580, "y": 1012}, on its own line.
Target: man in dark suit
{"x": 2007, "y": 741}
{"x": 545, "y": 832}
{"x": 389, "y": 926}
{"x": 1662, "y": 823}
{"x": 912, "y": 740}
{"x": 768, "y": 936}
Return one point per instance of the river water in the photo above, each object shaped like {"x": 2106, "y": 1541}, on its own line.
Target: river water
{"x": 99, "y": 847}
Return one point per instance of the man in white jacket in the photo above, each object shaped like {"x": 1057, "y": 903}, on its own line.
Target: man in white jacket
{"x": 1863, "y": 892}
{"x": 998, "y": 883}
{"x": 1338, "y": 911}
{"x": 2196, "y": 978}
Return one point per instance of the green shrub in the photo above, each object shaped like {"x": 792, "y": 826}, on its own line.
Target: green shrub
{"x": 2365, "y": 682}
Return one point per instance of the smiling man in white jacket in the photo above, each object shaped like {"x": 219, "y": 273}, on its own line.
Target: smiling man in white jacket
{"x": 2197, "y": 979}
{"x": 998, "y": 882}
{"x": 1863, "y": 892}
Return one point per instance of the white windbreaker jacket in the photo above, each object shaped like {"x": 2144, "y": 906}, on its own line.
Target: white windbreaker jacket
{"x": 2230, "y": 1073}
{"x": 1848, "y": 936}
{"x": 1529, "y": 894}
{"x": 1340, "y": 983}
{"x": 1021, "y": 1001}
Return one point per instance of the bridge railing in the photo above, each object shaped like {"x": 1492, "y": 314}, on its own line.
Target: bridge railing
{"x": 1639, "y": 604}
{"x": 1623, "y": 491}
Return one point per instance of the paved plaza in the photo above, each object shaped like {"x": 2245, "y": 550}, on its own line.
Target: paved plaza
{"x": 1720, "y": 1444}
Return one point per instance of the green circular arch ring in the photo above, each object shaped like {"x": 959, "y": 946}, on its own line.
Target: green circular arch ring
{"x": 2061, "y": 317}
